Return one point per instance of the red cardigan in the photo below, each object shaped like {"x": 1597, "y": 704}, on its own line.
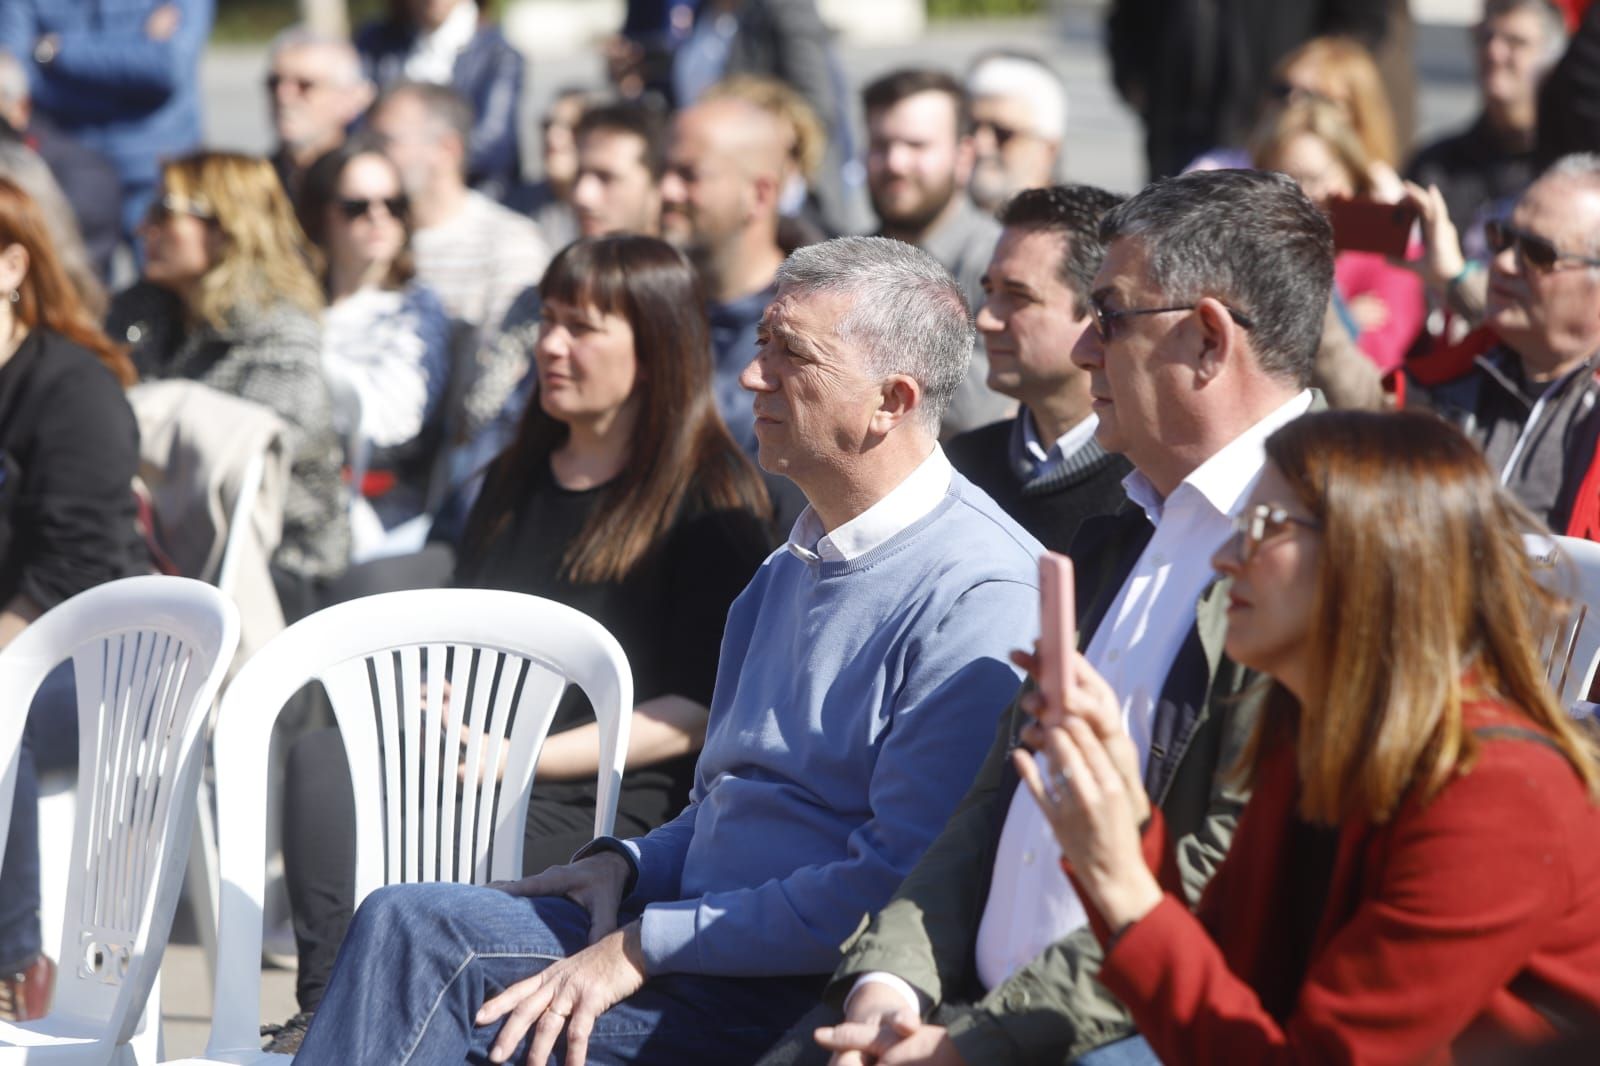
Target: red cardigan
{"x": 1430, "y": 920}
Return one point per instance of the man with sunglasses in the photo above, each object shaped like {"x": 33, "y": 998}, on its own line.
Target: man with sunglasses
{"x": 1207, "y": 311}
{"x": 1528, "y": 401}
{"x": 1019, "y": 117}
{"x": 315, "y": 91}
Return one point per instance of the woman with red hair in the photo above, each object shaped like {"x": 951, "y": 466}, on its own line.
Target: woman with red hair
{"x": 69, "y": 448}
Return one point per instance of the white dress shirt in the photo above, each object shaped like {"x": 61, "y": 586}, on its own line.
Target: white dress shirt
{"x": 914, "y": 498}
{"x": 1045, "y": 458}
{"x": 1031, "y": 903}
{"x": 433, "y": 54}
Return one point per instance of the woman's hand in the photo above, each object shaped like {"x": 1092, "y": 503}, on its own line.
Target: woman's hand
{"x": 1089, "y": 699}
{"x": 1086, "y": 801}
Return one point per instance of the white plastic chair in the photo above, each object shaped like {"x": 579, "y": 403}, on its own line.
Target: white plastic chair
{"x": 1572, "y": 653}
{"x": 148, "y": 654}
{"x": 385, "y": 662}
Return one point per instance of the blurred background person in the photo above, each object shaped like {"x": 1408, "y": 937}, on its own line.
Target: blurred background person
{"x": 1569, "y": 99}
{"x": 1514, "y": 45}
{"x": 315, "y": 93}
{"x": 451, "y": 43}
{"x": 1422, "y": 804}
{"x": 26, "y": 169}
{"x": 84, "y": 176}
{"x": 476, "y": 254}
{"x": 1019, "y": 120}
{"x": 384, "y": 333}
{"x": 1340, "y": 71}
{"x": 1311, "y": 142}
{"x": 548, "y": 201}
{"x": 719, "y": 204}
{"x": 621, "y": 156}
{"x": 919, "y": 161}
{"x": 1197, "y": 74}
{"x": 122, "y": 78}
{"x": 800, "y": 220}
{"x": 227, "y": 299}
{"x": 621, "y": 495}
{"x": 69, "y": 450}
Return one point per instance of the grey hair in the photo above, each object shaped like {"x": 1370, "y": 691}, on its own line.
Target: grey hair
{"x": 1555, "y": 24}
{"x": 907, "y": 314}
{"x": 1248, "y": 238}
{"x": 347, "y": 70}
{"x": 22, "y": 165}
{"x": 1584, "y": 167}
{"x": 13, "y": 78}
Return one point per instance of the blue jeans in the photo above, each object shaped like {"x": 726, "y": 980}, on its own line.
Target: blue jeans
{"x": 419, "y": 960}
{"x": 1132, "y": 1051}
{"x": 49, "y": 742}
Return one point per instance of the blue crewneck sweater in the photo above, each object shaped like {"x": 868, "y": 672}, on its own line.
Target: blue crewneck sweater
{"x": 854, "y": 702}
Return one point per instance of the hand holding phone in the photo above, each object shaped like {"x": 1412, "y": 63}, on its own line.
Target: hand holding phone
{"x": 1058, "y": 635}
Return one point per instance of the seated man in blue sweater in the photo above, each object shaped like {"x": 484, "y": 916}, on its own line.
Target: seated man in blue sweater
{"x": 862, "y": 673}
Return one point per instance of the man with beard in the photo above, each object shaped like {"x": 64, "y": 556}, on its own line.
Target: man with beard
{"x": 1019, "y": 116}
{"x": 919, "y": 161}
{"x": 315, "y": 89}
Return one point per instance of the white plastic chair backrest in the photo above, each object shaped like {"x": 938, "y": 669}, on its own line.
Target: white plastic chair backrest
{"x": 148, "y": 654}
{"x": 1571, "y": 567}
{"x": 385, "y": 662}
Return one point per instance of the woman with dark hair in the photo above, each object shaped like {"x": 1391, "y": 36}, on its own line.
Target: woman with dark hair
{"x": 69, "y": 449}
{"x": 1415, "y": 877}
{"x": 622, "y": 495}
{"x": 385, "y": 334}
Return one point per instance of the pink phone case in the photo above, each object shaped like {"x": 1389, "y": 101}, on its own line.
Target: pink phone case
{"x": 1057, "y": 625}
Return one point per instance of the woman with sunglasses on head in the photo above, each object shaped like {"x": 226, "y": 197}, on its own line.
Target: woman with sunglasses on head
{"x": 1414, "y": 877}
{"x": 384, "y": 333}
{"x": 69, "y": 450}
{"x": 228, "y": 299}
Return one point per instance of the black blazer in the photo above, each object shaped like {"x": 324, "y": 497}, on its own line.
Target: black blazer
{"x": 70, "y": 448}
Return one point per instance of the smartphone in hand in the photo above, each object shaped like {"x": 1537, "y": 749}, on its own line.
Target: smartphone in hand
{"x": 1370, "y": 226}
{"x": 1058, "y": 636}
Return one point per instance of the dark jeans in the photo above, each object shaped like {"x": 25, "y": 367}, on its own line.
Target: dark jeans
{"x": 421, "y": 959}
{"x": 319, "y": 861}
{"x": 49, "y": 742}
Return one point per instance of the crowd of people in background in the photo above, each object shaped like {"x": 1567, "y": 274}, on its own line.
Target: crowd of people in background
{"x": 788, "y": 383}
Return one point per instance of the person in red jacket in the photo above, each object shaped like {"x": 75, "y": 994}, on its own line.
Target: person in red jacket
{"x": 1414, "y": 877}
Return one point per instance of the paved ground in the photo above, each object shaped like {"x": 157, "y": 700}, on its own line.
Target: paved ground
{"x": 1104, "y": 149}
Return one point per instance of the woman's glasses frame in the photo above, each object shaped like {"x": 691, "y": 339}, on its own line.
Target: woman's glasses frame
{"x": 1264, "y": 522}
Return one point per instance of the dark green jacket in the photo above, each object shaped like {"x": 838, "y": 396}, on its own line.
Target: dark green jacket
{"x": 1053, "y": 1009}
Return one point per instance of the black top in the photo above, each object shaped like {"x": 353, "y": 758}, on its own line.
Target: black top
{"x": 1474, "y": 170}
{"x": 668, "y": 615}
{"x": 1050, "y": 507}
{"x": 69, "y": 447}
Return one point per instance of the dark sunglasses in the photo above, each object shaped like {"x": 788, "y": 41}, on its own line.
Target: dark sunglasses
{"x": 301, "y": 85}
{"x": 1538, "y": 252}
{"x": 1105, "y": 319}
{"x": 354, "y": 209}
{"x": 1285, "y": 92}
{"x": 162, "y": 210}
{"x": 1002, "y": 134}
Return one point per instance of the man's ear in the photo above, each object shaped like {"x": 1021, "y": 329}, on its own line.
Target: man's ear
{"x": 900, "y": 399}
{"x": 1221, "y": 338}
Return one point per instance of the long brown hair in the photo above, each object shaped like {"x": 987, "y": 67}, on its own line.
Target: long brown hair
{"x": 319, "y": 192}
{"x": 1345, "y": 62}
{"x": 1426, "y": 600}
{"x": 679, "y": 439}
{"x": 46, "y": 297}
{"x": 266, "y": 258}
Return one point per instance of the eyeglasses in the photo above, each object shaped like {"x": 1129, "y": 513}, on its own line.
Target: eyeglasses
{"x": 162, "y": 210}
{"x": 1287, "y": 92}
{"x": 1538, "y": 252}
{"x": 1105, "y": 318}
{"x": 301, "y": 86}
{"x": 353, "y": 209}
{"x": 1264, "y": 522}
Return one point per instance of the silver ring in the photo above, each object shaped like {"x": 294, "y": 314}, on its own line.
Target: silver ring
{"x": 1058, "y": 782}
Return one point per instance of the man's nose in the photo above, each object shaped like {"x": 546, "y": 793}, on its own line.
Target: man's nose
{"x": 754, "y": 376}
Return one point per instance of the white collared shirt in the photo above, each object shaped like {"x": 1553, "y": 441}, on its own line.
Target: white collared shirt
{"x": 914, "y": 498}
{"x": 433, "y": 55}
{"x": 1031, "y": 903}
